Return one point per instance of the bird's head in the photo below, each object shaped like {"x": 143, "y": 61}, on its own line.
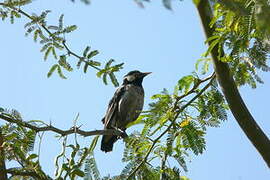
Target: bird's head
{"x": 135, "y": 77}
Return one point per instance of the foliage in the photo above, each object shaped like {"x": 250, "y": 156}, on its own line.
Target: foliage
{"x": 53, "y": 42}
{"x": 19, "y": 145}
{"x": 175, "y": 124}
{"x": 242, "y": 30}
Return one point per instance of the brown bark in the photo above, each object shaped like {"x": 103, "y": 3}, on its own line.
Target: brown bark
{"x": 231, "y": 93}
{"x": 3, "y": 174}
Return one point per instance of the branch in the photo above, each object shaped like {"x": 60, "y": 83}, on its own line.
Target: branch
{"x": 196, "y": 85}
{"x": 178, "y": 111}
{"x": 69, "y": 51}
{"x": 231, "y": 93}
{"x": 23, "y": 172}
{"x": 3, "y": 174}
{"x": 162, "y": 166}
{"x": 63, "y": 132}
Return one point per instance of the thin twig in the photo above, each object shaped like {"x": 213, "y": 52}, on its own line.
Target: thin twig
{"x": 23, "y": 172}
{"x": 69, "y": 51}
{"x": 39, "y": 143}
{"x": 162, "y": 166}
{"x": 195, "y": 86}
{"x": 60, "y": 131}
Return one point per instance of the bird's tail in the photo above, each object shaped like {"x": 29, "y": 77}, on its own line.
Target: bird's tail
{"x": 107, "y": 143}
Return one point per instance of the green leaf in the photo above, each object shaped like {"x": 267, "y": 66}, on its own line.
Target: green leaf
{"x": 32, "y": 156}
{"x": 91, "y": 163}
{"x": 61, "y": 22}
{"x": 45, "y": 47}
{"x": 211, "y": 46}
{"x": 60, "y": 73}
{"x": 93, "y": 144}
{"x": 85, "y": 67}
{"x": 181, "y": 161}
{"x": 95, "y": 63}
{"x": 2, "y": 109}
{"x": 185, "y": 83}
{"x": 78, "y": 172}
{"x": 63, "y": 62}
{"x": 53, "y": 27}
{"x": 36, "y": 33}
{"x": 196, "y": 2}
{"x": 70, "y": 29}
{"x": 212, "y": 38}
{"x": 53, "y": 68}
{"x": 104, "y": 78}
{"x": 54, "y": 53}
{"x": 113, "y": 79}
{"x": 137, "y": 121}
{"x": 205, "y": 65}
{"x": 79, "y": 63}
{"x": 57, "y": 45}
{"x": 92, "y": 54}
{"x": 65, "y": 167}
{"x": 86, "y": 51}
{"x": 99, "y": 74}
{"x": 108, "y": 64}
{"x": 50, "y": 49}
{"x": 167, "y": 4}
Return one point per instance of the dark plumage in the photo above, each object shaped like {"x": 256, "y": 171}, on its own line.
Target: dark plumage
{"x": 124, "y": 107}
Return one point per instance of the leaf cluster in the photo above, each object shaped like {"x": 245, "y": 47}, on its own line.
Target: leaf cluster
{"x": 187, "y": 128}
{"x": 241, "y": 30}
{"x": 53, "y": 41}
{"x": 19, "y": 145}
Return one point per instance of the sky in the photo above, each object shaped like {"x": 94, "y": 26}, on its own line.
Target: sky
{"x": 167, "y": 43}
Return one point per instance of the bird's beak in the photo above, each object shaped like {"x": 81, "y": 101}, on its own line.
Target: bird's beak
{"x": 145, "y": 74}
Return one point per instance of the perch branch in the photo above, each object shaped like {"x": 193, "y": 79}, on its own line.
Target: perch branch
{"x": 60, "y": 131}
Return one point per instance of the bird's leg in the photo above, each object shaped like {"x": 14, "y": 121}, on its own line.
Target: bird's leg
{"x": 123, "y": 132}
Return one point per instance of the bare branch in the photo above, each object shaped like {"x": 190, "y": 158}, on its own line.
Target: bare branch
{"x": 23, "y": 172}
{"x": 60, "y": 131}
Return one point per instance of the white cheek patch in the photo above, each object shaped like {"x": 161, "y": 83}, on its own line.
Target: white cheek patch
{"x": 130, "y": 78}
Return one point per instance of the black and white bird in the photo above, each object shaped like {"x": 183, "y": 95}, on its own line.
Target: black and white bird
{"x": 124, "y": 107}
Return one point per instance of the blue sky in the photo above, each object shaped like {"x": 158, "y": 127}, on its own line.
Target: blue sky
{"x": 167, "y": 43}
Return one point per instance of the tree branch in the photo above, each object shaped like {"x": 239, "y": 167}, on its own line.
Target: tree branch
{"x": 23, "y": 172}
{"x": 231, "y": 93}
{"x": 63, "y": 132}
{"x": 195, "y": 86}
{"x": 162, "y": 166}
{"x": 3, "y": 174}
{"x": 69, "y": 51}
{"x": 178, "y": 111}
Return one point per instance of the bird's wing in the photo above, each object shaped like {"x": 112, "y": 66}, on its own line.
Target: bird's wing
{"x": 113, "y": 106}
{"x": 130, "y": 105}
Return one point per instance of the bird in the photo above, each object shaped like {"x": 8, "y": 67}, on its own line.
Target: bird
{"x": 124, "y": 107}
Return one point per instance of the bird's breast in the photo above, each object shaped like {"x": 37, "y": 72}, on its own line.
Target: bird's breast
{"x": 131, "y": 104}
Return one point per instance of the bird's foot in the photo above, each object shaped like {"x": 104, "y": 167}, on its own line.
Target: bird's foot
{"x": 123, "y": 133}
